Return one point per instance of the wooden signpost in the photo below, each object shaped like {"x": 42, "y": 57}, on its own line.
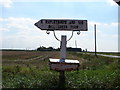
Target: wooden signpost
{"x": 62, "y": 64}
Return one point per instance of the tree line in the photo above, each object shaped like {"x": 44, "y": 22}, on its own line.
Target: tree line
{"x": 42, "y": 48}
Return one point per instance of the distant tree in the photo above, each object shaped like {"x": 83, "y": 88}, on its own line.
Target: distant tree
{"x": 58, "y": 49}
{"x": 42, "y": 48}
{"x": 50, "y": 48}
{"x": 38, "y": 49}
{"x": 80, "y": 50}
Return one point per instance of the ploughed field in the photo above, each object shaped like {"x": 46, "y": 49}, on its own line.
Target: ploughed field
{"x": 30, "y": 69}
{"x": 33, "y": 58}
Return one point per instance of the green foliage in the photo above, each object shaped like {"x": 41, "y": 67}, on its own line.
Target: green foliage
{"x": 93, "y": 79}
{"x": 31, "y": 77}
{"x": 28, "y": 77}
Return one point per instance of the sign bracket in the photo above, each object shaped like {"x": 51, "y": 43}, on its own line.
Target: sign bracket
{"x": 48, "y": 32}
{"x": 55, "y": 36}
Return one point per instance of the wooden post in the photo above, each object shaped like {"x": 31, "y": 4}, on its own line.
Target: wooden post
{"x": 95, "y": 41}
{"x": 63, "y": 48}
{"x": 62, "y": 59}
{"x": 62, "y": 79}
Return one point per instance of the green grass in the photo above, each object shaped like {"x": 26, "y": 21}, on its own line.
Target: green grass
{"x": 93, "y": 79}
{"x": 24, "y": 77}
{"x": 92, "y": 62}
{"x": 28, "y": 77}
{"x": 94, "y": 72}
{"x": 108, "y": 53}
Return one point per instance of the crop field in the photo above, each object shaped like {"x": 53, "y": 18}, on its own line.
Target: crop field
{"x": 30, "y": 69}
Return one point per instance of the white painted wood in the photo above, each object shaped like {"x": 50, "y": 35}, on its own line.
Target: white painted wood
{"x": 66, "y": 60}
{"x": 63, "y": 48}
{"x": 68, "y": 65}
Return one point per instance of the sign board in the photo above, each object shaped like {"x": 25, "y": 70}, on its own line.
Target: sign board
{"x": 64, "y": 24}
{"x": 68, "y": 65}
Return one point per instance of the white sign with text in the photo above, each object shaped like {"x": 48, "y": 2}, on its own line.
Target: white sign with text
{"x": 64, "y": 24}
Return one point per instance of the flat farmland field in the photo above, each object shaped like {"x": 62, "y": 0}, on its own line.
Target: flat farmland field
{"x": 30, "y": 69}
{"x": 23, "y": 55}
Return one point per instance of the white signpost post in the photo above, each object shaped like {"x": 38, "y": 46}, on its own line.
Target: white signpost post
{"x": 62, "y": 64}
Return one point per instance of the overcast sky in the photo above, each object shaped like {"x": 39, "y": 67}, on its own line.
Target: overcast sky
{"x": 18, "y": 18}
